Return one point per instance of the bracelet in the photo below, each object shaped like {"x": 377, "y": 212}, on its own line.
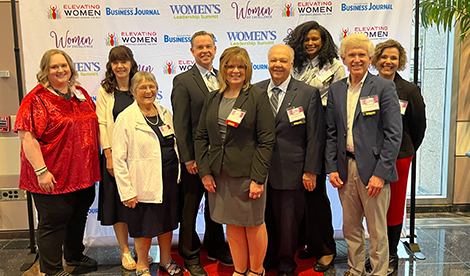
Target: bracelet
{"x": 41, "y": 170}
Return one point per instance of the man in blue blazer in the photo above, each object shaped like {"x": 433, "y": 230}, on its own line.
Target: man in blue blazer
{"x": 187, "y": 98}
{"x": 364, "y": 130}
{"x": 297, "y": 156}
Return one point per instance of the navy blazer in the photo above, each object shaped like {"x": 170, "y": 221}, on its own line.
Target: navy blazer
{"x": 298, "y": 148}
{"x": 377, "y": 137}
{"x": 187, "y": 99}
{"x": 246, "y": 150}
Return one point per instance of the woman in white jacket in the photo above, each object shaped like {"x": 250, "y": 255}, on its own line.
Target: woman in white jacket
{"x": 146, "y": 168}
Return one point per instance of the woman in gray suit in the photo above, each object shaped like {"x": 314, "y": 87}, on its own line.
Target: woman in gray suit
{"x": 234, "y": 142}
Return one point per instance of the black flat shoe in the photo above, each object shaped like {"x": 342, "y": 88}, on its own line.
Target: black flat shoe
{"x": 318, "y": 267}
{"x": 221, "y": 256}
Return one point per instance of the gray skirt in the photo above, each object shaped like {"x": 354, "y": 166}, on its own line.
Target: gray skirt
{"x": 231, "y": 203}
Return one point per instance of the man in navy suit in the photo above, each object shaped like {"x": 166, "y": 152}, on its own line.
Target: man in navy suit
{"x": 364, "y": 130}
{"x": 187, "y": 98}
{"x": 297, "y": 156}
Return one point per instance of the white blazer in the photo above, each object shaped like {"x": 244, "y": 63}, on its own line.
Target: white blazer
{"x": 137, "y": 155}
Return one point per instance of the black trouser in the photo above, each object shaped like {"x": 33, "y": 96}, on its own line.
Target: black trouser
{"x": 284, "y": 213}
{"x": 191, "y": 190}
{"x": 319, "y": 232}
{"x": 62, "y": 220}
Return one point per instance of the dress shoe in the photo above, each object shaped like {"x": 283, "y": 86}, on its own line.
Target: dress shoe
{"x": 221, "y": 256}
{"x": 60, "y": 273}
{"x": 195, "y": 270}
{"x": 85, "y": 261}
{"x": 319, "y": 267}
{"x": 392, "y": 264}
{"x": 284, "y": 273}
{"x": 305, "y": 255}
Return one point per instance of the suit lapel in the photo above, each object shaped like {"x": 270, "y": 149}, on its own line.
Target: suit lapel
{"x": 343, "y": 103}
{"x": 199, "y": 81}
{"x": 213, "y": 113}
{"x": 286, "y": 102}
{"x": 365, "y": 91}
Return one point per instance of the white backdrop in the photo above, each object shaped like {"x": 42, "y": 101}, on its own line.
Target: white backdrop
{"x": 158, "y": 32}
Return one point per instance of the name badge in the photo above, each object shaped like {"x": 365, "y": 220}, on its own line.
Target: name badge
{"x": 403, "y": 106}
{"x": 369, "y": 105}
{"x": 167, "y": 131}
{"x": 296, "y": 115}
{"x": 78, "y": 93}
{"x": 235, "y": 117}
{"x": 325, "y": 74}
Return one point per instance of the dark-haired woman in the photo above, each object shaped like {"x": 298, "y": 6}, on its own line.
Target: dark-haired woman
{"x": 316, "y": 63}
{"x": 113, "y": 97}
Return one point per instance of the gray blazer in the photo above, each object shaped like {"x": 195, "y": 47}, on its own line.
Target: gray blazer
{"x": 377, "y": 137}
{"x": 298, "y": 148}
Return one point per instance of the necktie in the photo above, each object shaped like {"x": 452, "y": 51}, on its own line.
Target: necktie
{"x": 274, "y": 100}
{"x": 210, "y": 83}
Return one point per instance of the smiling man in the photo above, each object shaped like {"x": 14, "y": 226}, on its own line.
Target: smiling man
{"x": 187, "y": 98}
{"x": 364, "y": 130}
{"x": 297, "y": 156}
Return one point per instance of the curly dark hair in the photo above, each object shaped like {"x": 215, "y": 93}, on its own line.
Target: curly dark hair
{"x": 121, "y": 52}
{"x": 328, "y": 51}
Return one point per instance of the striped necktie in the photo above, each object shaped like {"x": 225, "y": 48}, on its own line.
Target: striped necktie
{"x": 274, "y": 100}
{"x": 210, "y": 83}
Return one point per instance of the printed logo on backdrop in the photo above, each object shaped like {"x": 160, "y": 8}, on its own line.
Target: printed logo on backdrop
{"x": 366, "y": 7}
{"x": 87, "y": 68}
{"x": 288, "y": 10}
{"x": 53, "y": 12}
{"x": 139, "y": 38}
{"x": 251, "y": 11}
{"x": 131, "y": 11}
{"x": 169, "y": 68}
{"x": 112, "y": 40}
{"x": 252, "y": 38}
{"x": 196, "y": 11}
{"x": 68, "y": 40}
{"x": 373, "y": 32}
{"x": 259, "y": 66}
{"x": 176, "y": 39}
{"x": 159, "y": 97}
{"x": 82, "y": 11}
{"x": 146, "y": 68}
{"x": 315, "y": 8}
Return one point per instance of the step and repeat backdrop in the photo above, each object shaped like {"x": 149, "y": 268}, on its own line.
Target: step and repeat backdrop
{"x": 159, "y": 32}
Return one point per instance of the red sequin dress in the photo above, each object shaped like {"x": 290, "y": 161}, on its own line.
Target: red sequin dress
{"x": 68, "y": 135}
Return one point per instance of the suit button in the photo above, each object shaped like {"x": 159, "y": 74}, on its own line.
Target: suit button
{"x": 344, "y": 135}
{"x": 222, "y": 146}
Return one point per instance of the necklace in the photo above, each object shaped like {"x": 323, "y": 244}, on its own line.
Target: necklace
{"x": 147, "y": 119}
{"x": 66, "y": 96}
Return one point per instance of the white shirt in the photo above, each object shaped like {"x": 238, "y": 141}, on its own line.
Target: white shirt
{"x": 213, "y": 77}
{"x": 352, "y": 100}
{"x": 282, "y": 94}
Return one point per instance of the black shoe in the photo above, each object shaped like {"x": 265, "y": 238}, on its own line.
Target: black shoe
{"x": 318, "y": 267}
{"x": 83, "y": 270}
{"x": 367, "y": 265}
{"x": 305, "y": 255}
{"x": 221, "y": 256}
{"x": 60, "y": 273}
{"x": 85, "y": 261}
{"x": 195, "y": 270}
{"x": 284, "y": 273}
{"x": 392, "y": 264}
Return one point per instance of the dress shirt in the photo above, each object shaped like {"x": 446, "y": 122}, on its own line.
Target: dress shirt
{"x": 353, "y": 97}
{"x": 282, "y": 94}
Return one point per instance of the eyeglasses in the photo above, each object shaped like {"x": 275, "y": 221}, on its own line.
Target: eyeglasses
{"x": 232, "y": 67}
{"x": 145, "y": 87}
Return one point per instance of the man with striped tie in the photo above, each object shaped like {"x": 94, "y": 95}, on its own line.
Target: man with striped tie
{"x": 187, "y": 98}
{"x": 297, "y": 156}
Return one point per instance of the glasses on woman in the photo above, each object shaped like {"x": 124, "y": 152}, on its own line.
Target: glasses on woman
{"x": 232, "y": 67}
{"x": 144, "y": 88}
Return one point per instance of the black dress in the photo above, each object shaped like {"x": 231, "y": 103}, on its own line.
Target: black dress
{"x": 110, "y": 208}
{"x": 149, "y": 220}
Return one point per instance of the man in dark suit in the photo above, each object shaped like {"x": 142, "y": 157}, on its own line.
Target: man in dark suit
{"x": 187, "y": 98}
{"x": 364, "y": 130}
{"x": 297, "y": 156}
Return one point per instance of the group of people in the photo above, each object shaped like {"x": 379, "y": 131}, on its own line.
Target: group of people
{"x": 259, "y": 153}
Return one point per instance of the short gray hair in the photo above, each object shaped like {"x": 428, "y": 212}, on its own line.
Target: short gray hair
{"x": 139, "y": 77}
{"x": 291, "y": 51}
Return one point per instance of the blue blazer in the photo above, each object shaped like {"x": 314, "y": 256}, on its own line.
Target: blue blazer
{"x": 377, "y": 137}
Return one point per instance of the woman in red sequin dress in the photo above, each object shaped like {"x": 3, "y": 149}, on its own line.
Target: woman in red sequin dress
{"x": 58, "y": 128}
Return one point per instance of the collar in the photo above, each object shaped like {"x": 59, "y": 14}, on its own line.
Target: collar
{"x": 204, "y": 71}
{"x": 360, "y": 83}
{"x": 283, "y": 86}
